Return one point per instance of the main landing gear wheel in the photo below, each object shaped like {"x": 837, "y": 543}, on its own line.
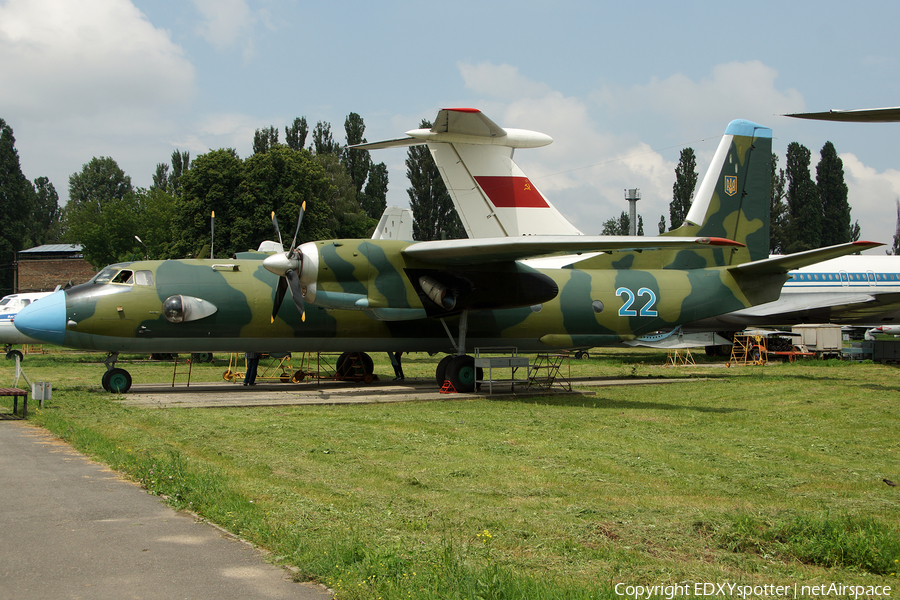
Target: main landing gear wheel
{"x": 441, "y": 373}
{"x": 462, "y": 374}
{"x": 116, "y": 381}
{"x": 355, "y": 365}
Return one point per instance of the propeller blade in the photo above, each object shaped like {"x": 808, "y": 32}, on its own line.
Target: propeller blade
{"x": 279, "y": 296}
{"x": 277, "y": 230}
{"x": 296, "y": 291}
{"x": 299, "y": 221}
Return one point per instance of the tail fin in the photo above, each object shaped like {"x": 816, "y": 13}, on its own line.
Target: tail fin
{"x": 733, "y": 200}
{"x": 395, "y": 224}
{"x": 492, "y": 195}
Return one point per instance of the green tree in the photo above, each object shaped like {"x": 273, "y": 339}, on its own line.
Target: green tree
{"x": 156, "y": 223}
{"x": 833, "y": 197}
{"x": 374, "y": 200}
{"x": 181, "y": 163}
{"x": 895, "y": 247}
{"x": 778, "y": 210}
{"x": 43, "y": 227}
{"x": 347, "y": 219}
{"x": 295, "y": 134}
{"x": 102, "y": 212}
{"x": 683, "y": 189}
{"x": 323, "y": 142}
{"x": 264, "y": 140}
{"x": 16, "y": 201}
{"x": 244, "y": 193}
{"x": 622, "y": 225}
{"x": 356, "y": 162}
{"x": 804, "y": 208}
{"x": 662, "y": 223}
{"x": 434, "y": 216}
{"x": 161, "y": 178}
{"x": 211, "y": 184}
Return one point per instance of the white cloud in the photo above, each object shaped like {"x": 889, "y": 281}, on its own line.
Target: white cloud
{"x": 873, "y": 197}
{"x": 226, "y": 23}
{"x": 499, "y": 81}
{"x": 732, "y": 90}
{"x": 61, "y": 58}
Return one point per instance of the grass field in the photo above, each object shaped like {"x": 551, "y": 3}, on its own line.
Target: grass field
{"x": 751, "y": 475}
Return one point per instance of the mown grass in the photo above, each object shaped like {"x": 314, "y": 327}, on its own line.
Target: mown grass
{"x": 764, "y": 475}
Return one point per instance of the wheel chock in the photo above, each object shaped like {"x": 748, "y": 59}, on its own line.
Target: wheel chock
{"x": 448, "y": 388}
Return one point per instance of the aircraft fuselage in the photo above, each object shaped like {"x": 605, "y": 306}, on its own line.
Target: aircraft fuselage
{"x": 366, "y": 296}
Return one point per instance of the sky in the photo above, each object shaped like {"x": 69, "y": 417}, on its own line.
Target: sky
{"x": 622, "y": 87}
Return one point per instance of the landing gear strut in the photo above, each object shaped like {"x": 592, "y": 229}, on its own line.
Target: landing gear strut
{"x": 459, "y": 369}
{"x": 115, "y": 381}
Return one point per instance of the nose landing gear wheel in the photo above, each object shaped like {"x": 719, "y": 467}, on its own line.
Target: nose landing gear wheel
{"x": 116, "y": 381}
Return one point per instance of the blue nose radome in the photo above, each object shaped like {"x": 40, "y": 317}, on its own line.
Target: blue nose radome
{"x": 44, "y": 320}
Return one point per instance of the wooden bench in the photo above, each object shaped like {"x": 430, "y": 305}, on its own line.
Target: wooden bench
{"x": 15, "y": 393}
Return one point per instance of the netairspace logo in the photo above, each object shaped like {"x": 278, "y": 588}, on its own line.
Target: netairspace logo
{"x": 737, "y": 590}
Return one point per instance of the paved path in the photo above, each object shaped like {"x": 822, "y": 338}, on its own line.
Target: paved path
{"x": 71, "y": 528}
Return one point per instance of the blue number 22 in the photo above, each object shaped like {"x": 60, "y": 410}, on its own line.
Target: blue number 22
{"x": 646, "y": 311}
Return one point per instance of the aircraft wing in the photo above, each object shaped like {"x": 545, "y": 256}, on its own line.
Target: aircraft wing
{"x": 789, "y": 262}
{"x": 823, "y": 307}
{"x": 489, "y": 250}
{"x": 792, "y": 303}
{"x": 862, "y": 115}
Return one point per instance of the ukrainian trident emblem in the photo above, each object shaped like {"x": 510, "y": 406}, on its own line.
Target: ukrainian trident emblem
{"x": 731, "y": 185}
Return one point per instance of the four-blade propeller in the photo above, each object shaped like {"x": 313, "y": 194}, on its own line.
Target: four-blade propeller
{"x": 287, "y": 266}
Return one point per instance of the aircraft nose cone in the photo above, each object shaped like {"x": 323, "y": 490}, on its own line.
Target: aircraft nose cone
{"x": 44, "y": 320}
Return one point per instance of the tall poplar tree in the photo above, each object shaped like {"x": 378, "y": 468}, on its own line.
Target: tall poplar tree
{"x": 434, "y": 215}
{"x": 356, "y": 162}
{"x": 804, "y": 208}
{"x": 43, "y": 227}
{"x": 833, "y": 197}
{"x": 265, "y": 139}
{"x": 683, "y": 189}
{"x": 895, "y": 247}
{"x": 16, "y": 202}
{"x": 295, "y": 134}
{"x": 778, "y": 211}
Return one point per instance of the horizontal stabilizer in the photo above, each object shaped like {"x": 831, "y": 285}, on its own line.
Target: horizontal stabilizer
{"x": 789, "y": 262}
{"x": 861, "y": 115}
{"x": 488, "y": 250}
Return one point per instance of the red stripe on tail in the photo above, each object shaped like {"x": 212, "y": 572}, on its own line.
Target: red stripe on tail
{"x": 511, "y": 192}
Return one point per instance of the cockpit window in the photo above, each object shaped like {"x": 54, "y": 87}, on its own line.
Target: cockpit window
{"x": 4, "y": 302}
{"x": 105, "y": 275}
{"x": 124, "y": 276}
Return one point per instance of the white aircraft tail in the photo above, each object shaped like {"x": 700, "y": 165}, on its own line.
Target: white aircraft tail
{"x": 396, "y": 224}
{"x": 492, "y": 195}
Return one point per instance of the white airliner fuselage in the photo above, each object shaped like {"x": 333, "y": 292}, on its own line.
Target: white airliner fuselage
{"x": 9, "y": 308}
{"x": 858, "y": 290}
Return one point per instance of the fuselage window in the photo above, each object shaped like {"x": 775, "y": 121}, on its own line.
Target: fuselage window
{"x": 143, "y": 278}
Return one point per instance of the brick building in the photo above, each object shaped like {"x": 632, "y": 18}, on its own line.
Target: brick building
{"x": 42, "y": 268}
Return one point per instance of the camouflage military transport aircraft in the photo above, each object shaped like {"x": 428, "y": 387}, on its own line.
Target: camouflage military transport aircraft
{"x": 447, "y": 296}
